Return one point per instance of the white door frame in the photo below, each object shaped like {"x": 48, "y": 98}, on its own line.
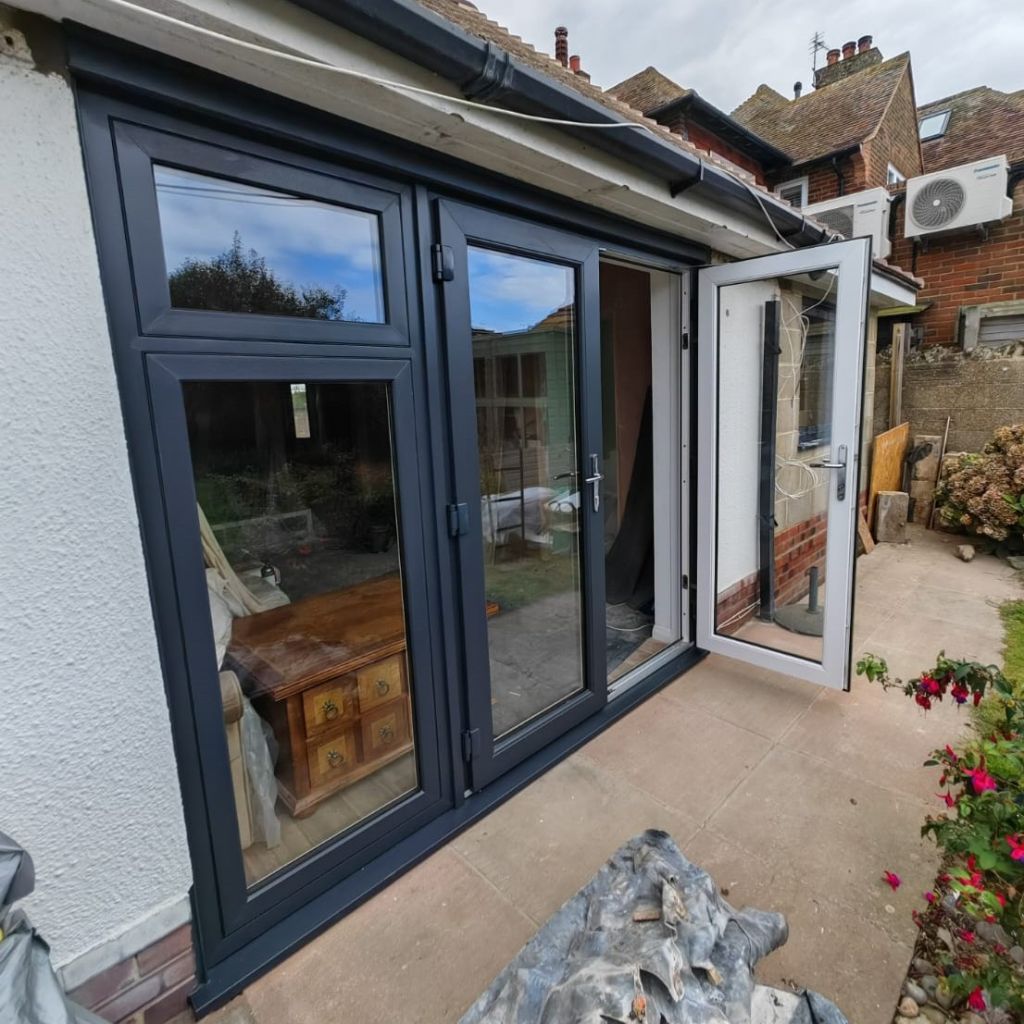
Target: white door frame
{"x": 851, "y": 261}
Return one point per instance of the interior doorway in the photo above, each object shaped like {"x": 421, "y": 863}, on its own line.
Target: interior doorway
{"x": 643, "y": 399}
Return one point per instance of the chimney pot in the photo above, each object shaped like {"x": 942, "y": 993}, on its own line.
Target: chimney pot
{"x": 574, "y": 63}
{"x": 849, "y": 49}
{"x": 832, "y": 56}
{"x": 864, "y": 44}
{"x": 798, "y": 87}
{"x": 562, "y": 45}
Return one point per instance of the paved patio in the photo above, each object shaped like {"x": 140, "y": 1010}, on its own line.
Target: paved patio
{"x": 794, "y": 798}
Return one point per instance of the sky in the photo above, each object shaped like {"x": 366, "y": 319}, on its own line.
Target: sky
{"x": 725, "y": 49}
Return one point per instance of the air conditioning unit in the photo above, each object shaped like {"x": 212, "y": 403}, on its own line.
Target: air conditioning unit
{"x": 959, "y": 197}
{"x": 856, "y": 215}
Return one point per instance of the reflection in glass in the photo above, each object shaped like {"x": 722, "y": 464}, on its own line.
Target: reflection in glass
{"x": 240, "y": 249}
{"x": 524, "y": 360}
{"x": 297, "y": 518}
{"x": 774, "y": 424}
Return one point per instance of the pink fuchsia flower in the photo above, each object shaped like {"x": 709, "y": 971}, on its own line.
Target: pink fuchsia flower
{"x": 967, "y": 936}
{"x": 951, "y": 754}
{"x": 926, "y": 684}
{"x": 980, "y": 779}
{"x": 977, "y": 697}
{"x": 930, "y": 897}
{"x": 1016, "y": 848}
{"x": 892, "y": 879}
{"x": 924, "y": 700}
{"x": 947, "y": 798}
{"x": 960, "y": 693}
{"x": 976, "y": 1001}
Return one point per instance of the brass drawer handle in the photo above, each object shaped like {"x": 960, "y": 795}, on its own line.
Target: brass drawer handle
{"x": 383, "y": 687}
{"x": 330, "y": 710}
{"x": 387, "y": 733}
{"x": 335, "y": 759}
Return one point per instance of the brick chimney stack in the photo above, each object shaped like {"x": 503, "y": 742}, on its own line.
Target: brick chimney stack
{"x": 856, "y": 56}
{"x": 562, "y": 45}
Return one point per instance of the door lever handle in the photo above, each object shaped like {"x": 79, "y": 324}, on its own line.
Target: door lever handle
{"x": 595, "y": 478}
{"x": 839, "y": 464}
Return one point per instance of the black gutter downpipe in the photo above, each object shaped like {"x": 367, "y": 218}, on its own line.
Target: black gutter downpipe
{"x": 840, "y": 180}
{"x": 406, "y": 28}
{"x": 766, "y": 481}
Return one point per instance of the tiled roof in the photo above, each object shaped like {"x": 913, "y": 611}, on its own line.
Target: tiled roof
{"x": 826, "y": 120}
{"x": 647, "y": 90}
{"x": 982, "y": 122}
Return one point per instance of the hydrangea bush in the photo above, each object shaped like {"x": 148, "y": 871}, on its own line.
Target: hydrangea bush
{"x": 974, "y": 915}
{"x": 984, "y": 493}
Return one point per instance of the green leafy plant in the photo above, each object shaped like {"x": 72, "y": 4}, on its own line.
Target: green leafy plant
{"x": 983, "y": 493}
{"x": 974, "y": 916}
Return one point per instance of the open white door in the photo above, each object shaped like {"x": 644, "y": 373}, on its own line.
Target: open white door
{"x": 781, "y": 343}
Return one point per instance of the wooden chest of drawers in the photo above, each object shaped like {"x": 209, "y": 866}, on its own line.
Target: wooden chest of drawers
{"x": 329, "y": 673}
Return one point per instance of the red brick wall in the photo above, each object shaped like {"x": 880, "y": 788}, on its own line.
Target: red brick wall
{"x": 797, "y": 548}
{"x": 148, "y": 988}
{"x": 964, "y": 270}
{"x": 896, "y": 141}
{"x": 703, "y": 139}
{"x": 822, "y": 182}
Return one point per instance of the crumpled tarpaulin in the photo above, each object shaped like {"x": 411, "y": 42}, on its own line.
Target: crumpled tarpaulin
{"x": 649, "y": 940}
{"x": 29, "y": 990}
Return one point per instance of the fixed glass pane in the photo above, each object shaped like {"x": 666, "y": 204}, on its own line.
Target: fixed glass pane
{"x": 775, "y": 460}
{"x": 236, "y": 248}
{"x": 297, "y": 516}
{"x": 524, "y": 332}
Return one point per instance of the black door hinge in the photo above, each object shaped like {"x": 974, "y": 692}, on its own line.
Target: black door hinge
{"x": 686, "y": 582}
{"x": 444, "y": 262}
{"x": 458, "y": 519}
{"x": 686, "y": 340}
{"x": 470, "y": 744}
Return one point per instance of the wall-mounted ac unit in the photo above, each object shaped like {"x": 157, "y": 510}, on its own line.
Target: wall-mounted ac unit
{"x": 856, "y": 215}
{"x": 959, "y": 197}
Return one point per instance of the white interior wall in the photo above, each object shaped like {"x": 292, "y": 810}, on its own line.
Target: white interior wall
{"x": 84, "y": 725}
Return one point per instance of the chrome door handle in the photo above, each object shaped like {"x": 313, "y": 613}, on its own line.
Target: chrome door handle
{"x": 839, "y": 464}
{"x": 595, "y": 478}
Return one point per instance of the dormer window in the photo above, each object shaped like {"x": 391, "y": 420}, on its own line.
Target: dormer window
{"x": 933, "y": 126}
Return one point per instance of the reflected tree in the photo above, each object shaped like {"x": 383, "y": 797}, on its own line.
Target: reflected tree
{"x": 239, "y": 281}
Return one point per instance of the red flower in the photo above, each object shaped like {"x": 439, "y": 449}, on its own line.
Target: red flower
{"x": 1000, "y": 898}
{"x": 951, "y": 754}
{"x": 1016, "y": 848}
{"x": 930, "y": 897}
{"x": 980, "y": 779}
{"x": 930, "y": 686}
{"x": 977, "y": 697}
{"x": 948, "y": 798}
{"x": 960, "y": 693}
{"x": 892, "y": 879}
{"x": 967, "y": 936}
{"x": 924, "y": 700}
{"x": 976, "y": 1001}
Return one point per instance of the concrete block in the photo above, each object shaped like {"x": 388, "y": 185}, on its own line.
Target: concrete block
{"x": 923, "y": 494}
{"x": 891, "y": 517}
{"x": 928, "y": 467}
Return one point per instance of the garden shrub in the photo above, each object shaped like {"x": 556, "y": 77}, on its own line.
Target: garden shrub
{"x": 974, "y": 915}
{"x": 983, "y": 493}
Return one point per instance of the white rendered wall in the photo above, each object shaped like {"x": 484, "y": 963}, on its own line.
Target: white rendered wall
{"x": 84, "y": 727}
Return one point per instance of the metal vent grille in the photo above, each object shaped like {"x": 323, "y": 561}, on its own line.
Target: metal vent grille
{"x": 840, "y": 219}
{"x": 938, "y": 203}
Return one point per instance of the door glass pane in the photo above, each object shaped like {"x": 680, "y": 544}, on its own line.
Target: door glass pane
{"x": 240, "y": 249}
{"x": 297, "y": 516}
{"x": 525, "y": 368}
{"x": 774, "y": 431}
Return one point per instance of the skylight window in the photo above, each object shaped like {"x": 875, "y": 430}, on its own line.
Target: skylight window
{"x": 933, "y": 126}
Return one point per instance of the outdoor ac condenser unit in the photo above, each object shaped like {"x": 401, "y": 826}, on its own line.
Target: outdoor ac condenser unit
{"x": 856, "y": 215}
{"x": 959, "y": 197}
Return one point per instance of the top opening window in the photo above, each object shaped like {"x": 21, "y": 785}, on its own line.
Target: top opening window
{"x": 793, "y": 192}
{"x": 236, "y": 248}
{"x": 933, "y": 126}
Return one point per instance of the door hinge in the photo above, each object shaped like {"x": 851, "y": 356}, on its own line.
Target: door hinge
{"x": 444, "y": 262}
{"x": 686, "y": 582}
{"x": 685, "y": 340}
{"x": 470, "y": 744}
{"x": 458, "y": 519}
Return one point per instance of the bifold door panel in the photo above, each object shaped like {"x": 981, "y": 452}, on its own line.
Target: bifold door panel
{"x": 781, "y": 362}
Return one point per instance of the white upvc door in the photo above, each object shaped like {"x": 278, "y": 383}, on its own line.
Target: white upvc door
{"x": 781, "y": 342}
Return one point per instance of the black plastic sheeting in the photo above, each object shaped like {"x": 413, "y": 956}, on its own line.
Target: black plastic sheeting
{"x": 649, "y": 940}
{"x": 30, "y": 992}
